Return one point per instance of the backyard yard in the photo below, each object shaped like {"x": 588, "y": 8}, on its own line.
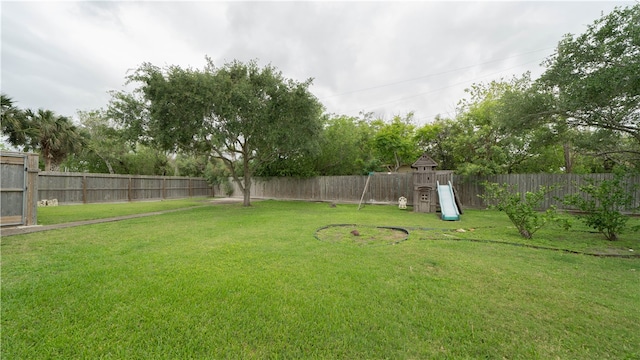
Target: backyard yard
{"x": 307, "y": 280}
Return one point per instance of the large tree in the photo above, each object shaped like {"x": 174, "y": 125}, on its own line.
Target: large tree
{"x": 346, "y": 145}
{"x": 242, "y": 114}
{"x": 13, "y": 122}
{"x": 436, "y": 140}
{"x": 53, "y": 136}
{"x": 495, "y": 132}
{"x": 106, "y": 146}
{"x": 395, "y": 142}
{"x": 596, "y": 75}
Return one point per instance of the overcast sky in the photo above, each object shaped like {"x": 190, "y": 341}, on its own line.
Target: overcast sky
{"x": 388, "y": 58}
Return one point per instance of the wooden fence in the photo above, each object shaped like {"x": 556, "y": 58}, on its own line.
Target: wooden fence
{"x": 387, "y": 188}
{"x": 70, "y": 188}
{"x": 469, "y": 189}
{"x": 383, "y": 188}
{"x": 18, "y": 187}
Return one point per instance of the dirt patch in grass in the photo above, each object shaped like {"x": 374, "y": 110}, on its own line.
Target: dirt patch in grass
{"x": 612, "y": 251}
{"x": 361, "y": 234}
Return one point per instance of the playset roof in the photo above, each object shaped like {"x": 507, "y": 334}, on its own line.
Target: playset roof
{"x": 424, "y": 161}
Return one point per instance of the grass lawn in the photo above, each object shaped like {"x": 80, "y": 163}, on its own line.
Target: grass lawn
{"x": 50, "y": 215}
{"x": 231, "y": 282}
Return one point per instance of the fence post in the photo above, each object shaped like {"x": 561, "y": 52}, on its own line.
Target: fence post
{"x": 84, "y": 189}
{"x": 130, "y": 189}
{"x": 32, "y": 168}
{"x": 164, "y": 188}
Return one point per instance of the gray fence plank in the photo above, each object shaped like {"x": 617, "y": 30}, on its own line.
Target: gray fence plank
{"x": 18, "y": 188}
{"x": 383, "y": 188}
{"x": 387, "y": 188}
{"x": 69, "y": 188}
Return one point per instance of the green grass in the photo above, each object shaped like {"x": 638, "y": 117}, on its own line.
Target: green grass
{"x": 232, "y": 282}
{"x": 491, "y": 226}
{"x": 70, "y": 213}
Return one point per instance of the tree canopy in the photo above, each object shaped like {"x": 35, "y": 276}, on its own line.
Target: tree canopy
{"x": 54, "y": 136}
{"x": 596, "y": 75}
{"x": 242, "y": 114}
{"x": 240, "y": 120}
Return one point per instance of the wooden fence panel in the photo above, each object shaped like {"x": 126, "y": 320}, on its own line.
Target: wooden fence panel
{"x": 12, "y": 189}
{"x": 200, "y": 187}
{"x": 66, "y": 187}
{"x": 468, "y": 188}
{"x": 99, "y": 188}
{"x": 18, "y": 188}
{"x": 175, "y": 187}
{"x": 387, "y": 188}
{"x": 146, "y": 188}
{"x": 383, "y": 188}
{"x": 71, "y": 188}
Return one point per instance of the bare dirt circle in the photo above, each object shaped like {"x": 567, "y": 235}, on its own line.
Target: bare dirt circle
{"x": 361, "y": 234}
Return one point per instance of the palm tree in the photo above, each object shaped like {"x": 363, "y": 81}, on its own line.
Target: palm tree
{"x": 13, "y": 122}
{"x": 55, "y": 137}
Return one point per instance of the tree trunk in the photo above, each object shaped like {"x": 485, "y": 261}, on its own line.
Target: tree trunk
{"x": 568, "y": 164}
{"x": 48, "y": 160}
{"x": 525, "y": 233}
{"x": 246, "y": 191}
{"x": 109, "y": 167}
{"x": 106, "y": 162}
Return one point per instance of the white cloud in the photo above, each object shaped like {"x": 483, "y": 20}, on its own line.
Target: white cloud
{"x": 385, "y": 57}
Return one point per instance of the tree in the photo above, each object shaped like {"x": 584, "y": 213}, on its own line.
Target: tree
{"x": 530, "y": 110}
{"x": 130, "y": 113}
{"x": 191, "y": 166}
{"x": 482, "y": 144}
{"x": 395, "y": 142}
{"x": 53, "y": 136}
{"x": 346, "y": 147}
{"x": 602, "y": 150}
{"x": 436, "y": 140}
{"x": 596, "y": 76}
{"x": 505, "y": 127}
{"x": 106, "y": 146}
{"x": 241, "y": 114}
{"x": 13, "y": 122}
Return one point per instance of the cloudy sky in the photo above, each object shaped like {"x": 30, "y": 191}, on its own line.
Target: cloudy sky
{"x": 388, "y": 58}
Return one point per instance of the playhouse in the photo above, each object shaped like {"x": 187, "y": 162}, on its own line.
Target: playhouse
{"x": 429, "y": 195}
{"x": 424, "y": 184}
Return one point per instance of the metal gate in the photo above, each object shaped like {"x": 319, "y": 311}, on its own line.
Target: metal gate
{"x": 18, "y": 188}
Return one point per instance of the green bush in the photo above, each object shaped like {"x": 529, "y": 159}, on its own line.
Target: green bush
{"x": 227, "y": 187}
{"x": 602, "y": 204}
{"x": 521, "y": 210}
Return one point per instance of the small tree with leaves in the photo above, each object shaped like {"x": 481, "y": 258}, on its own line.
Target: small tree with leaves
{"x": 602, "y": 204}
{"x": 520, "y": 208}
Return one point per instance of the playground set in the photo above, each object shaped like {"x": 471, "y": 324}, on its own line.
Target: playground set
{"x": 429, "y": 196}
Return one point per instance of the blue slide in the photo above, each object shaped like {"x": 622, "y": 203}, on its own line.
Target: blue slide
{"x": 448, "y": 207}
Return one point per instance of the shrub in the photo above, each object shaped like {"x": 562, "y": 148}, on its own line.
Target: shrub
{"x": 602, "y": 204}
{"x": 227, "y": 187}
{"x": 521, "y": 210}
